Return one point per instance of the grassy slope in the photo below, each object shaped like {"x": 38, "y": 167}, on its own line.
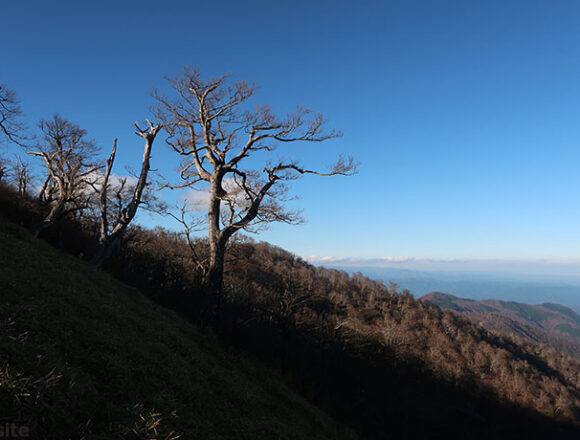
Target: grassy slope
{"x": 84, "y": 356}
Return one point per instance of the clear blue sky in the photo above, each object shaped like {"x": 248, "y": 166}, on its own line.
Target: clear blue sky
{"x": 465, "y": 116}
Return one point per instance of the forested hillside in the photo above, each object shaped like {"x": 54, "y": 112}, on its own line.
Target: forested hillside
{"x": 372, "y": 356}
{"x": 550, "y": 324}
{"x": 146, "y": 149}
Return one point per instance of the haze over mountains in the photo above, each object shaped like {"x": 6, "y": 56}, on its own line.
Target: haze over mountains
{"x": 527, "y": 282}
{"x": 538, "y": 301}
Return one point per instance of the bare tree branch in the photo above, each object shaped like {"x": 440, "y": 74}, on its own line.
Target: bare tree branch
{"x": 191, "y": 225}
{"x": 205, "y": 122}
{"x": 110, "y": 237}
{"x": 104, "y": 221}
{"x": 69, "y": 161}
{"x": 11, "y": 125}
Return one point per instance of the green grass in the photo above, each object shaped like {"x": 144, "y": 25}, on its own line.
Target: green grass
{"x": 84, "y": 356}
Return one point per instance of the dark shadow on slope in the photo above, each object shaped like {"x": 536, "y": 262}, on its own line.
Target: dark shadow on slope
{"x": 384, "y": 394}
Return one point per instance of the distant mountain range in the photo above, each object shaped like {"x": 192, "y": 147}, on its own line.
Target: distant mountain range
{"x": 551, "y": 324}
{"x": 479, "y": 285}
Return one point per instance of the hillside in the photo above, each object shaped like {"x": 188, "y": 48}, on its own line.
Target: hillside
{"x": 84, "y": 356}
{"x": 551, "y": 324}
{"x": 374, "y": 357}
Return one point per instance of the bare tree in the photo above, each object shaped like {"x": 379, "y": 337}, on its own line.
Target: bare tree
{"x": 191, "y": 224}
{"x": 4, "y": 169}
{"x": 69, "y": 161}
{"x": 213, "y": 132}
{"x": 113, "y": 226}
{"x": 21, "y": 176}
{"x": 11, "y": 126}
{"x": 283, "y": 309}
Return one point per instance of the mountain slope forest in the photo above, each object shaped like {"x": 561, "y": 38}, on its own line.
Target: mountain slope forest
{"x": 550, "y": 324}
{"x": 371, "y": 356}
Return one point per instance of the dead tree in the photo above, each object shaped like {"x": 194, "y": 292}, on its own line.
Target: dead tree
{"x": 209, "y": 128}
{"x": 113, "y": 226}
{"x": 69, "y": 161}
{"x": 11, "y": 126}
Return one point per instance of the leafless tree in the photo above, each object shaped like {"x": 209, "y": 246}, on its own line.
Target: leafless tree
{"x": 113, "y": 225}
{"x": 21, "y": 176}
{"x": 283, "y": 309}
{"x": 69, "y": 161}
{"x": 11, "y": 126}
{"x": 212, "y": 130}
{"x": 191, "y": 224}
{"x": 4, "y": 169}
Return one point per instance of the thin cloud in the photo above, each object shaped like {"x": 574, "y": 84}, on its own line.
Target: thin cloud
{"x": 198, "y": 198}
{"x": 359, "y": 261}
{"x": 538, "y": 267}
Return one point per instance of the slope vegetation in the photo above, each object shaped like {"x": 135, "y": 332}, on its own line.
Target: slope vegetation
{"x": 551, "y": 324}
{"x": 374, "y": 357}
{"x": 84, "y": 356}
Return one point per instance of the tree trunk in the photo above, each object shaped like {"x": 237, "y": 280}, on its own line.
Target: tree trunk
{"x": 217, "y": 248}
{"x": 284, "y": 334}
{"x": 110, "y": 242}
{"x": 215, "y": 275}
{"x": 105, "y": 251}
{"x": 48, "y": 220}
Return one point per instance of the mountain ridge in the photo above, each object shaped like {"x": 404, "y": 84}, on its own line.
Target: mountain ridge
{"x": 549, "y": 323}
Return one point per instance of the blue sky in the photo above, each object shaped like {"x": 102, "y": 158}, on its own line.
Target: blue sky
{"x": 465, "y": 116}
